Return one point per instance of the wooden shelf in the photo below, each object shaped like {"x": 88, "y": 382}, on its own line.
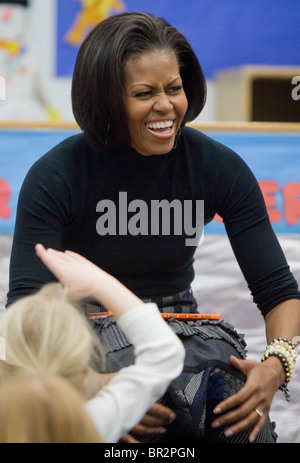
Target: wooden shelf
{"x": 212, "y": 126}
{"x": 257, "y": 93}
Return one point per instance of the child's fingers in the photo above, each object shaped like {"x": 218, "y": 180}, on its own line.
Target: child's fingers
{"x": 39, "y": 249}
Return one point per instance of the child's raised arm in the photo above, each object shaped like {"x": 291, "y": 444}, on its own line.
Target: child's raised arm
{"x": 82, "y": 278}
{"x": 159, "y": 354}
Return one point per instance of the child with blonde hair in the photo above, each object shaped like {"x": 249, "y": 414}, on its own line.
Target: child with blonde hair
{"x": 46, "y": 333}
{"x": 43, "y": 409}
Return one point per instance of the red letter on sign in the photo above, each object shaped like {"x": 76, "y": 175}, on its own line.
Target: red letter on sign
{"x": 5, "y": 211}
{"x": 218, "y": 219}
{"x": 291, "y": 197}
{"x": 269, "y": 188}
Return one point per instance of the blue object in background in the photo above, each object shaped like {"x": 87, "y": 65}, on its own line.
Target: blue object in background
{"x": 274, "y": 159}
{"x": 223, "y": 33}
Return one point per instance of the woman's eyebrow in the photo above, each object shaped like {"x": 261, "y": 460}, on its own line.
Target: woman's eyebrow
{"x": 151, "y": 86}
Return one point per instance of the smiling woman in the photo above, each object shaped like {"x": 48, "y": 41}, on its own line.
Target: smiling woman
{"x": 126, "y": 194}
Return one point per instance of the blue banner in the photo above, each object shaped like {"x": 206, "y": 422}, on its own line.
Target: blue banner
{"x": 18, "y": 151}
{"x": 222, "y": 33}
{"x": 274, "y": 158}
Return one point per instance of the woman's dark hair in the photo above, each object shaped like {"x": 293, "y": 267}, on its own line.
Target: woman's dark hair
{"x": 16, "y": 2}
{"x": 98, "y": 79}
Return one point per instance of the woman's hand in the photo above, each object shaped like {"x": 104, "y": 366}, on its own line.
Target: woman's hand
{"x": 153, "y": 422}
{"x": 250, "y": 406}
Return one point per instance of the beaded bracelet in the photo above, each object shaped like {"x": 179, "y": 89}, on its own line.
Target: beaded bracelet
{"x": 285, "y": 351}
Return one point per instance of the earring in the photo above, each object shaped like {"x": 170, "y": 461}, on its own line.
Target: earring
{"x": 108, "y": 128}
{"x": 176, "y": 138}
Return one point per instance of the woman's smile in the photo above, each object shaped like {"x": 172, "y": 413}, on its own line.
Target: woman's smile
{"x": 161, "y": 129}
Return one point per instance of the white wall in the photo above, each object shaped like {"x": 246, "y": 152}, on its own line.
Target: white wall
{"x": 42, "y": 41}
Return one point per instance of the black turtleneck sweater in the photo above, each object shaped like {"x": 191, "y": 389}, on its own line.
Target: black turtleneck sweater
{"x": 70, "y": 199}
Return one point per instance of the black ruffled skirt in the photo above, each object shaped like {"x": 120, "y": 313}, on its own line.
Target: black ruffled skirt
{"x": 207, "y": 378}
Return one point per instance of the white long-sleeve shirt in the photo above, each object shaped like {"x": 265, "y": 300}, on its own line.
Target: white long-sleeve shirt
{"x": 159, "y": 354}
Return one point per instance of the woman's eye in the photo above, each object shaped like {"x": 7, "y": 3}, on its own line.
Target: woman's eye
{"x": 143, "y": 94}
{"x": 175, "y": 89}
{"x": 148, "y": 93}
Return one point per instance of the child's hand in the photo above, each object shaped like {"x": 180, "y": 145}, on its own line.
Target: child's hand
{"x": 79, "y": 276}
{"x": 82, "y": 278}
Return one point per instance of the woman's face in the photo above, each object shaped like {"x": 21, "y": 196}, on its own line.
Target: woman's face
{"x": 155, "y": 101}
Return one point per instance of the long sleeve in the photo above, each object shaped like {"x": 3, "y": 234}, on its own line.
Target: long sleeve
{"x": 253, "y": 240}
{"x": 121, "y": 404}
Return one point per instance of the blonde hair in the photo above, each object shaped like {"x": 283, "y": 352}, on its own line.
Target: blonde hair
{"x": 46, "y": 332}
{"x": 43, "y": 408}
{"x": 7, "y": 371}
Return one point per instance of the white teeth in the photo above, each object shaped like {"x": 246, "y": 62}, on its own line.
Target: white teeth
{"x": 159, "y": 125}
